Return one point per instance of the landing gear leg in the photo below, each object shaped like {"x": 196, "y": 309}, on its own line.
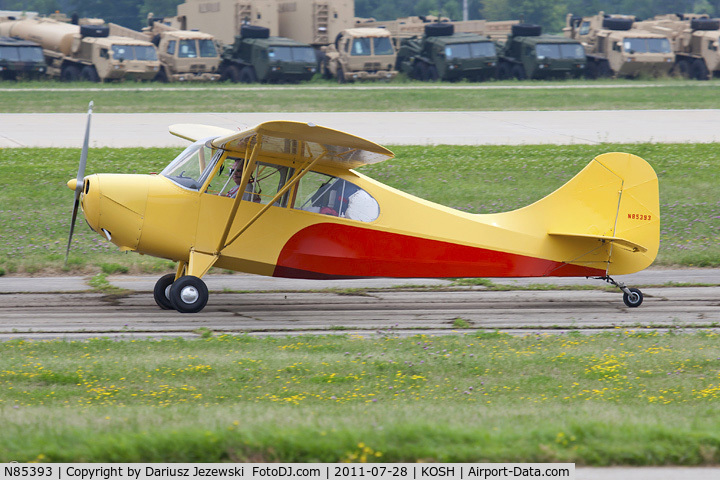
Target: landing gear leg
{"x": 632, "y": 297}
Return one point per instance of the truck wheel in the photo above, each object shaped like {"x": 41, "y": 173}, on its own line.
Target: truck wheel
{"x": 439, "y": 29}
{"x": 618, "y": 24}
{"x": 340, "y": 75}
{"x": 604, "y": 70}
{"x": 518, "y": 72}
{"x": 161, "y": 76}
{"x": 504, "y": 71}
{"x": 526, "y": 30}
{"x": 70, "y": 73}
{"x": 432, "y": 73}
{"x": 247, "y": 75}
{"x": 233, "y": 73}
{"x": 682, "y": 69}
{"x": 420, "y": 71}
{"x": 89, "y": 74}
{"x": 698, "y": 70}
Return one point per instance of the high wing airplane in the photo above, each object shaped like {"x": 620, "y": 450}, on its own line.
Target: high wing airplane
{"x": 283, "y": 199}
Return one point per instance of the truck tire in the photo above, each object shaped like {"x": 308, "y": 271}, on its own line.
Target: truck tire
{"x": 698, "y": 70}
{"x": 340, "y": 75}
{"x": 247, "y": 75}
{"x": 526, "y": 30}
{"x": 420, "y": 71}
{"x": 682, "y": 69}
{"x": 504, "y": 71}
{"x": 619, "y": 24}
{"x": 70, "y": 73}
{"x": 89, "y": 74}
{"x": 432, "y": 73}
{"x": 161, "y": 76}
{"x": 232, "y": 73}
{"x": 518, "y": 72}
{"x": 704, "y": 24}
{"x": 439, "y": 29}
{"x": 254, "y": 31}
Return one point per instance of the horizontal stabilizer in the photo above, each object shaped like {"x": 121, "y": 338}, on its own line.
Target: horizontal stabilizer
{"x": 194, "y": 132}
{"x": 632, "y": 246}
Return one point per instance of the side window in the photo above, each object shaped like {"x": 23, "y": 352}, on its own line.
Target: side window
{"x": 171, "y": 47}
{"x": 104, "y": 53}
{"x": 584, "y": 28}
{"x": 328, "y": 195}
{"x": 265, "y": 181}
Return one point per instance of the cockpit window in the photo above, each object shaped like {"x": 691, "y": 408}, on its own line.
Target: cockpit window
{"x": 191, "y": 167}
{"x": 334, "y": 196}
{"x": 264, "y": 183}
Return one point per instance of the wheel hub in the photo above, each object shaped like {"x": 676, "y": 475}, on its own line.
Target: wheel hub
{"x": 189, "y": 294}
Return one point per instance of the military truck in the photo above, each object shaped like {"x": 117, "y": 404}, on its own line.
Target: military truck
{"x": 442, "y": 54}
{"x": 255, "y": 56}
{"x": 694, "y": 39}
{"x": 360, "y": 54}
{"x": 614, "y": 48}
{"x": 20, "y": 58}
{"x": 185, "y": 56}
{"x": 86, "y": 52}
{"x": 406, "y": 27}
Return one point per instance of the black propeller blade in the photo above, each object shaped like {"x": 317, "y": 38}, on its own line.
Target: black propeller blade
{"x": 80, "y": 180}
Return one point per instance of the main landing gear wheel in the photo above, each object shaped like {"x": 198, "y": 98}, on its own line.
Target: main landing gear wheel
{"x": 634, "y": 298}
{"x": 162, "y": 291}
{"x": 188, "y": 294}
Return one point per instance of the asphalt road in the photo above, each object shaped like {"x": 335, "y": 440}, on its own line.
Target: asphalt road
{"x": 386, "y": 128}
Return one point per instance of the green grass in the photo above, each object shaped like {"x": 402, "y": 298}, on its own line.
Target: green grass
{"x": 324, "y": 96}
{"x": 35, "y": 203}
{"x": 623, "y": 397}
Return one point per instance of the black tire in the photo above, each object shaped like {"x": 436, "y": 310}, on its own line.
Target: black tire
{"x": 518, "y": 72}
{"x": 340, "y": 75}
{"x": 604, "y": 70}
{"x": 705, "y": 24}
{"x": 254, "y": 31}
{"x": 698, "y": 70}
{"x": 89, "y": 74}
{"x": 432, "y": 73}
{"x": 635, "y": 298}
{"x": 620, "y": 24}
{"x": 504, "y": 71}
{"x": 591, "y": 71}
{"x": 526, "y": 30}
{"x": 162, "y": 291}
{"x": 682, "y": 69}
{"x": 439, "y": 29}
{"x": 419, "y": 71}
{"x": 188, "y": 294}
{"x": 161, "y": 76}
{"x": 96, "y": 31}
{"x": 233, "y": 73}
{"x": 70, "y": 73}
{"x": 247, "y": 75}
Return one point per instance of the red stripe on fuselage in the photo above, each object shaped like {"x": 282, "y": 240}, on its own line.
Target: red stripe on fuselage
{"x": 330, "y": 250}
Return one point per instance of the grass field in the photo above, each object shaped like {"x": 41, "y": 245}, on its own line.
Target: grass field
{"x": 323, "y": 96}
{"x": 35, "y": 203}
{"x": 623, "y": 397}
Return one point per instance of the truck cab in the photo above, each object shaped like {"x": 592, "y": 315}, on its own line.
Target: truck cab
{"x": 21, "y": 58}
{"x": 187, "y": 56}
{"x": 442, "y": 54}
{"x": 360, "y": 54}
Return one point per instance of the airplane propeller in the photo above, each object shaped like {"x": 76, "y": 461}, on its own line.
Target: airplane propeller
{"x": 80, "y": 180}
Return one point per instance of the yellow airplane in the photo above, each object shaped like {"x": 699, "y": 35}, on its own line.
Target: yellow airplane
{"x": 283, "y": 199}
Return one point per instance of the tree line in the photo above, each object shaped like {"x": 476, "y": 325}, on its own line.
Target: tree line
{"x": 548, "y": 13}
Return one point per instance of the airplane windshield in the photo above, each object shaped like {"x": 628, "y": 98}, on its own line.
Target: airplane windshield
{"x": 190, "y": 168}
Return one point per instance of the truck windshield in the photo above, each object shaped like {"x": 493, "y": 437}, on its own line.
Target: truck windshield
{"x": 190, "y": 168}
{"x": 134, "y": 52}
{"x": 207, "y": 48}
{"x": 188, "y": 49}
{"x": 9, "y": 53}
{"x": 292, "y": 54}
{"x": 559, "y": 50}
{"x": 470, "y": 50}
{"x": 646, "y": 45}
{"x": 360, "y": 46}
{"x": 31, "y": 54}
{"x": 382, "y": 46}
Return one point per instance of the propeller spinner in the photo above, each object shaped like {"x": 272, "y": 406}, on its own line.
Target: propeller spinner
{"x": 79, "y": 181}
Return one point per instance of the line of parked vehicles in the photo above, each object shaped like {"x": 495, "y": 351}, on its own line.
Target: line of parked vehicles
{"x": 422, "y": 48}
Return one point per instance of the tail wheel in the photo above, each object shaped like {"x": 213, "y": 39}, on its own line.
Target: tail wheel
{"x": 162, "y": 291}
{"x": 634, "y": 298}
{"x": 188, "y": 294}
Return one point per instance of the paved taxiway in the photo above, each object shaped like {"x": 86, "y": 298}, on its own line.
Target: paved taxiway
{"x": 387, "y": 128}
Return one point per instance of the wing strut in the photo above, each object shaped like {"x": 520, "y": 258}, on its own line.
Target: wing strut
{"x": 295, "y": 179}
